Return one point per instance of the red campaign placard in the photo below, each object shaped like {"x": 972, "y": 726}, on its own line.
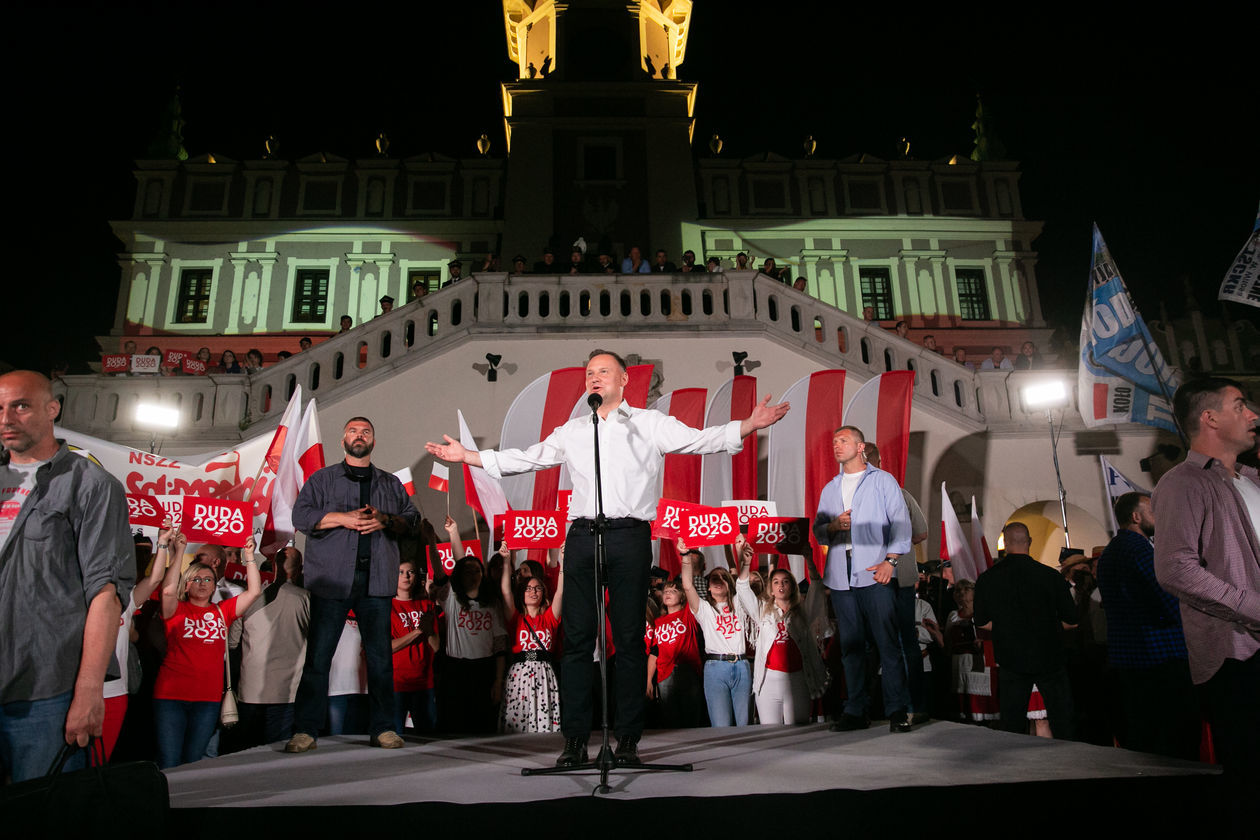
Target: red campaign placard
{"x": 748, "y": 508}
{"x": 562, "y": 504}
{"x": 710, "y": 526}
{"x": 194, "y": 366}
{"x": 218, "y": 521}
{"x": 146, "y": 364}
{"x": 115, "y": 363}
{"x": 498, "y": 526}
{"x": 670, "y": 515}
{"x": 236, "y": 572}
{"x": 448, "y": 561}
{"x": 779, "y": 534}
{"x": 533, "y": 529}
{"x": 145, "y": 510}
{"x": 175, "y": 358}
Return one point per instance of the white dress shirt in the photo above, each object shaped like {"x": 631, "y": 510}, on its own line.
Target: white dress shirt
{"x": 633, "y": 443}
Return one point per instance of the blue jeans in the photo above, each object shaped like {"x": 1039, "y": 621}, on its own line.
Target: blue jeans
{"x": 31, "y": 734}
{"x": 347, "y": 714}
{"x": 328, "y": 618}
{"x": 857, "y": 610}
{"x": 184, "y": 728}
{"x": 727, "y": 689}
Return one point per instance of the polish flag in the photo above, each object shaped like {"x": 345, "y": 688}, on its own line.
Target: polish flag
{"x": 680, "y": 477}
{"x": 409, "y": 484}
{"x": 441, "y": 478}
{"x": 537, "y": 411}
{"x": 482, "y": 493}
{"x": 547, "y": 403}
{"x": 979, "y": 545}
{"x": 301, "y": 455}
{"x": 881, "y": 409}
{"x": 801, "y": 460}
{"x": 955, "y": 547}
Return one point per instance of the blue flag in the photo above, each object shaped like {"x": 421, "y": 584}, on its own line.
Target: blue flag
{"x": 1123, "y": 377}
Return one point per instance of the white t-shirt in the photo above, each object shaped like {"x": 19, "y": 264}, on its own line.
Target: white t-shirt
{"x": 16, "y": 483}
{"x": 848, "y": 487}
{"x": 1251, "y": 497}
{"x": 725, "y": 633}
{"x": 470, "y": 633}
{"x": 122, "y": 649}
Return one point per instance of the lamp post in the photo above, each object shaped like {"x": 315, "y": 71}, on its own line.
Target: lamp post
{"x": 1050, "y": 395}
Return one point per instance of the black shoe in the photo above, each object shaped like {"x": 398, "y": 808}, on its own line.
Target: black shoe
{"x": 899, "y": 722}
{"x": 850, "y": 723}
{"x": 574, "y": 753}
{"x": 627, "y": 754}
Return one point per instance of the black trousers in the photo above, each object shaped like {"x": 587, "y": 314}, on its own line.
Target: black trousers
{"x": 1161, "y": 710}
{"x": 1014, "y": 689}
{"x": 629, "y": 550}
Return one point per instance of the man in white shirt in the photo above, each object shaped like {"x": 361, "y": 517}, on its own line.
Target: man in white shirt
{"x": 633, "y": 444}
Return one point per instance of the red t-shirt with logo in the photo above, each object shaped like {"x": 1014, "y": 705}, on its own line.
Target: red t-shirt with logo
{"x": 196, "y": 638}
{"x": 413, "y": 665}
{"x": 676, "y": 641}
{"x": 544, "y": 627}
{"x": 784, "y": 654}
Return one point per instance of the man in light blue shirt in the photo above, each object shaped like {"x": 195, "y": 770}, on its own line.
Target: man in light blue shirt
{"x": 862, "y": 517}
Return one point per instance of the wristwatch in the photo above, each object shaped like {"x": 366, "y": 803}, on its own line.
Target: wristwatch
{"x": 891, "y": 561}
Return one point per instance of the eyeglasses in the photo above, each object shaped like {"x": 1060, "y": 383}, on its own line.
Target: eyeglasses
{"x": 201, "y": 580}
{"x": 535, "y": 589}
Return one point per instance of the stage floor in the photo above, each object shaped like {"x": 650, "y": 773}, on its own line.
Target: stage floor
{"x": 735, "y": 762}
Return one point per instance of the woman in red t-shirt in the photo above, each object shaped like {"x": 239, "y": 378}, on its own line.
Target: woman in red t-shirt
{"x": 674, "y": 661}
{"x": 189, "y": 687}
{"x": 413, "y": 627}
{"x": 531, "y": 695}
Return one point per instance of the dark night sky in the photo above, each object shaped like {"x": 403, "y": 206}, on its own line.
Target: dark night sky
{"x": 1147, "y": 126}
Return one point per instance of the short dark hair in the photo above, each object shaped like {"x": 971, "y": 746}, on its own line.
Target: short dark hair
{"x": 1196, "y": 396}
{"x": 360, "y": 419}
{"x": 1127, "y": 505}
{"x": 1016, "y": 531}
{"x": 855, "y": 429}
{"x": 598, "y": 352}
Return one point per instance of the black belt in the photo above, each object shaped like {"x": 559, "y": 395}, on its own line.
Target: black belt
{"x": 725, "y": 657}
{"x": 610, "y": 524}
{"x": 531, "y": 656}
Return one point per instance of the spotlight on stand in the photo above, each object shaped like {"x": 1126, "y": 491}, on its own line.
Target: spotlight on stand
{"x": 1050, "y": 395}
{"x": 739, "y": 356}
{"x": 156, "y": 418}
{"x": 492, "y": 375}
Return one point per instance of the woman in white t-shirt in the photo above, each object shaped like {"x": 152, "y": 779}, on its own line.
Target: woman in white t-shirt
{"x": 725, "y": 616}
{"x": 470, "y": 676}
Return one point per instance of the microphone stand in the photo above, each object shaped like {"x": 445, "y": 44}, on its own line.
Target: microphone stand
{"x": 604, "y": 760}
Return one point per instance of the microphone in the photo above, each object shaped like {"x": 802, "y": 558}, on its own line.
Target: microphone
{"x": 594, "y": 401}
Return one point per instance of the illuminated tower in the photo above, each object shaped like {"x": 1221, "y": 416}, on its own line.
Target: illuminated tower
{"x": 599, "y": 129}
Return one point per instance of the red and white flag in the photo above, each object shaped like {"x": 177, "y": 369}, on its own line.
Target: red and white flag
{"x": 440, "y": 480}
{"x": 881, "y": 409}
{"x": 680, "y": 476}
{"x": 408, "y": 483}
{"x": 726, "y": 476}
{"x": 979, "y": 543}
{"x": 955, "y": 547}
{"x": 482, "y": 493}
{"x": 544, "y": 404}
{"x": 801, "y": 459}
{"x": 301, "y": 454}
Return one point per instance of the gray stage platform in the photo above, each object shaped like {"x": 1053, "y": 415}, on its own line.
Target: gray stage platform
{"x": 343, "y": 771}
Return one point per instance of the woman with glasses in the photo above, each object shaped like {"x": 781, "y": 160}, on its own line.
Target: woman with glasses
{"x": 189, "y": 687}
{"x": 725, "y": 616}
{"x": 531, "y": 695}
